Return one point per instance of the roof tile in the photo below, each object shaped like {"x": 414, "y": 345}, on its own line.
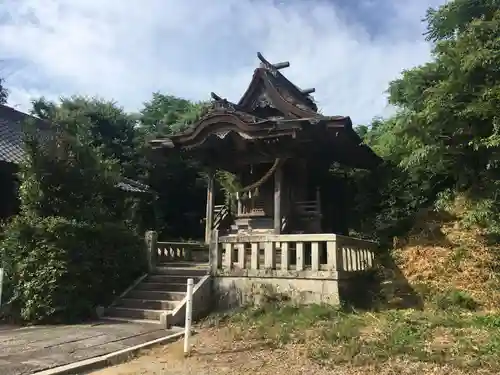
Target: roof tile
{"x": 12, "y": 148}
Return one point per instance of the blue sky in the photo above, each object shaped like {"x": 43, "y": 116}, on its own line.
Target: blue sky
{"x": 125, "y": 49}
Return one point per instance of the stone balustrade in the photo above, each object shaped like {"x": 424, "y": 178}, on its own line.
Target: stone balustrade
{"x": 180, "y": 251}
{"x": 307, "y": 268}
{"x": 285, "y": 254}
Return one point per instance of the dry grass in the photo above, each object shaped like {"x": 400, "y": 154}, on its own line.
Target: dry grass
{"x": 441, "y": 255}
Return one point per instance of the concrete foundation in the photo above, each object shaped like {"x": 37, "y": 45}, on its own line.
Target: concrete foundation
{"x": 305, "y": 287}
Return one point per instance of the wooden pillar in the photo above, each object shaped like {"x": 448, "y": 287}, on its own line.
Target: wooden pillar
{"x": 278, "y": 176}
{"x": 210, "y": 207}
{"x": 239, "y": 205}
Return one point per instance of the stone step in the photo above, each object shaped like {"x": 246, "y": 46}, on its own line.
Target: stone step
{"x": 171, "y": 279}
{"x": 237, "y": 227}
{"x": 157, "y": 295}
{"x": 164, "y": 287}
{"x": 190, "y": 265}
{"x": 129, "y": 320}
{"x": 180, "y": 271}
{"x": 195, "y": 258}
{"x": 148, "y": 304}
{"x": 125, "y": 312}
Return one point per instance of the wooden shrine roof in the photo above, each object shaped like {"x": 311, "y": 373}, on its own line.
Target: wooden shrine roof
{"x": 293, "y": 101}
{"x": 294, "y": 117}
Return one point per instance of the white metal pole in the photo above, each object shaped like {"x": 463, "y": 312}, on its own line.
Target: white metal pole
{"x": 189, "y": 313}
{"x": 1, "y": 282}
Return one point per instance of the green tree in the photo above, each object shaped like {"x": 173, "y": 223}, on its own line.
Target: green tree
{"x": 3, "y": 92}
{"x": 116, "y": 137}
{"x": 106, "y": 126}
{"x": 64, "y": 176}
{"x": 167, "y": 114}
{"x": 452, "y": 124}
{"x": 178, "y": 180}
{"x": 444, "y": 139}
{"x": 70, "y": 249}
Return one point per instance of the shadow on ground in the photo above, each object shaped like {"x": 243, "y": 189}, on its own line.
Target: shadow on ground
{"x": 385, "y": 287}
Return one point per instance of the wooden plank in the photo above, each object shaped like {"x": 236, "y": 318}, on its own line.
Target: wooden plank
{"x": 278, "y": 176}
{"x": 210, "y": 207}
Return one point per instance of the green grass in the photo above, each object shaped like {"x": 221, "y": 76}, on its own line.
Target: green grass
{"x": 455, "y": 336}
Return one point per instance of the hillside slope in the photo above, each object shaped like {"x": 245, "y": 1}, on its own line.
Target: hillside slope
{"x": 441, "y": 258}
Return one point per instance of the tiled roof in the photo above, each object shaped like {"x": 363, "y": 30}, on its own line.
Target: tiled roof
{"x": 11, "y": 134}
{"x": 11, "y": 143}
{"x": 132, "y": 186}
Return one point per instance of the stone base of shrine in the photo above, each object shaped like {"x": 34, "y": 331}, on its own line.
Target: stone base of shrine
{"x": 301, "y": 268}
{"x": 303, "y": 287}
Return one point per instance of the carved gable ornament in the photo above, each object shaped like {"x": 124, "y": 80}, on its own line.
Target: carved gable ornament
{"x": 224, "y": 133}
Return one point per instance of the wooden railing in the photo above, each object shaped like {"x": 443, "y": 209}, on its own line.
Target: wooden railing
{"x": 220, "y": 213}
{"x": 285, "y": 222}
{"x": 292, "y": 252}
{"x": 181, "y": 251}
{"x": 308, "y": 208}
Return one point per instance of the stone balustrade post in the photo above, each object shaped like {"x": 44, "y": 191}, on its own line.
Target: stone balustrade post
{"x": 151, "y": 239}
{"x": 270, "y": 255}
{"x": 345, "y": 258}
{"x": 315, "y": 256}
{"x": 228, "y": 251}
{"x": 241, "y": 255}
{"x": 215, "y": 253}
{"x": 188, "y": 253}
{"x": 299, "y": 254}
{"x": 254, "y": 256}
{"x": 332, "y": 256}
{"x": 285, "y": 256}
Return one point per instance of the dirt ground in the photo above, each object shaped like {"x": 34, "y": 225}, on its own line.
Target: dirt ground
{"x": 215, "y": 352}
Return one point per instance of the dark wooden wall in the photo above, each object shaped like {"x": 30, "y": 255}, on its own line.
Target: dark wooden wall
{"x": 335, "y": 205}
{"x": 8, "y": 190}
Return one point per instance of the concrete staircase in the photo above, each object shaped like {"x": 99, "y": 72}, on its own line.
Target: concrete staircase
{"x": 159, "y": 297}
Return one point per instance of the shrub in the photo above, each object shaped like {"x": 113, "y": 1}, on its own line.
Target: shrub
{"x": 64, "y": 176}
{"x": 59, "y": 270}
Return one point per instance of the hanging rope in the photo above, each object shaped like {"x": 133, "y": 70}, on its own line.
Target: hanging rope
{"x": 263, "y": 179}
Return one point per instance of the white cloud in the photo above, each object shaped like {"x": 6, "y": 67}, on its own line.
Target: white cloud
{"x": 126, "y": 49}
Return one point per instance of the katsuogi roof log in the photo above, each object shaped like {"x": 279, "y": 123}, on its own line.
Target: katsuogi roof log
{"x": 284, "y": 95}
